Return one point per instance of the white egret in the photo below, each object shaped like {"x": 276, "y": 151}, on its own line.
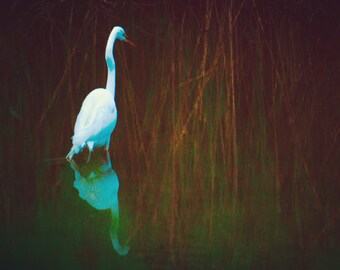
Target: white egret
{"x": 98, "y": 114}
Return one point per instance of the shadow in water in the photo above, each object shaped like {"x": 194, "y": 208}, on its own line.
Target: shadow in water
{"x": 98, "y": 184}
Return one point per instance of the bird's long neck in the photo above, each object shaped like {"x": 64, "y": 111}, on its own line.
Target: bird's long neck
{"x": 111, "y": 64}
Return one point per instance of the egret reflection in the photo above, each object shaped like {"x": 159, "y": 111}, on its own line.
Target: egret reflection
{"x": 98, "y": 184}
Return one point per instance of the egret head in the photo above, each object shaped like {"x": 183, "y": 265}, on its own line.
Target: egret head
{"x": 121, "y": 35}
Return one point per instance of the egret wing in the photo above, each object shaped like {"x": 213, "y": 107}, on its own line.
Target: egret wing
{"x": 96, "y": 119}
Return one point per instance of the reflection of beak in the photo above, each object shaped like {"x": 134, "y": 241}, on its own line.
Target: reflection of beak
{"x": 129, "y": 41}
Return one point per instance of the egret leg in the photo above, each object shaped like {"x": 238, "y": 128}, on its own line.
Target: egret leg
{"x": 74, "y": 150}
{"x": 73, "y": 164}
{"x": 90, "y": 146}
{"x": 107, "y": 150}
{"x": 89, "y": 157}
{"x": 70, "y": 155}
{"x": 107, "y": 155}
{"x": 70, "y": 160}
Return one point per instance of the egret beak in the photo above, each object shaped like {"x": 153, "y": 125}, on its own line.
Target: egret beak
{"x": 129, "y": 41}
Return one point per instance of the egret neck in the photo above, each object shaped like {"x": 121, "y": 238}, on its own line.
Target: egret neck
{"x": 111, "y": 64}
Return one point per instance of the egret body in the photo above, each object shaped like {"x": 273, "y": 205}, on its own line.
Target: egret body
{"x": 98, "y": 114}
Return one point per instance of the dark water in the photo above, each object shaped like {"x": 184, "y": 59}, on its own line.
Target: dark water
{"x": 72, "y": 231}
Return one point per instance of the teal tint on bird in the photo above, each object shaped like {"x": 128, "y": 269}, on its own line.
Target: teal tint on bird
{"x": 110, "y": 64}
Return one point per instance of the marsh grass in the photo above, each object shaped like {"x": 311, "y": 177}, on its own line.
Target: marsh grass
{"x": 222, "y": 152}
